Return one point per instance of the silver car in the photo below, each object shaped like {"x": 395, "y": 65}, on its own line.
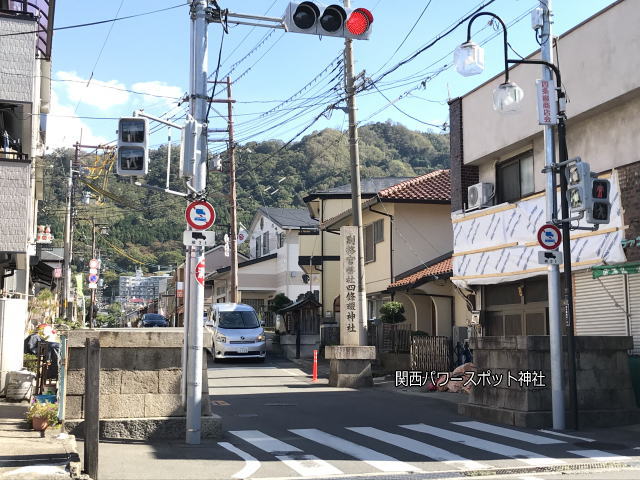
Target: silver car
{"x": 237, "y": 332}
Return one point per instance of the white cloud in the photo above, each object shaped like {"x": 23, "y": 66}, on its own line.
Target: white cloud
{"x": 64, "y": 128}
{"x": 99, "y": 94}
{"x": 158, "y": 88}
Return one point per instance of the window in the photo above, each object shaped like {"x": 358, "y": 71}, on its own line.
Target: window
{"x": 281, "y": 239}
{"x": 514, "y": 178}
{"x": 373, "y": 234}
{"x": 258, "y": 246}
{"x": 265, "y": 243}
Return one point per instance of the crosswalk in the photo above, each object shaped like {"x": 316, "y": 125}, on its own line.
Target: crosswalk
{"x": 413, "y": 448}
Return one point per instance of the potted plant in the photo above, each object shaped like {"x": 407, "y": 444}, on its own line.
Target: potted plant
{"x": 43, "y": 415}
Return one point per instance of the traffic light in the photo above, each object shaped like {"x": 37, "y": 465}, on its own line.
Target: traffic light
{"x": 133, "y": 157}
{"x": 333, "y": 20}
{"x": 578, "y": 177}
{"x": 600, "y": 208}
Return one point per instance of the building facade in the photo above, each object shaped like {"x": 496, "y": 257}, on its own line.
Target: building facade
{"x": 495, "y": 257}
{"x": 25, "y": 90}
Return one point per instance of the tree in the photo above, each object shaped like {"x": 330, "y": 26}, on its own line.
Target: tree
{"x": 392, "y": 312}
{"x": 280, "y": 301}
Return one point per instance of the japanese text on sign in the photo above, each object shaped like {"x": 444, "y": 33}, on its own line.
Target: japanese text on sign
{"x": 546, "y": 99}
{"x": 349, "y": 300}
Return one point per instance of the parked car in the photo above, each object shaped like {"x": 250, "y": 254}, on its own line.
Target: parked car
{"x": 237, "y": 332}
{"x": 154, "y": 320}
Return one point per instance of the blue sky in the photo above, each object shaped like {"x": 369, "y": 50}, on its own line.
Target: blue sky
{"x": 150, "y": 54}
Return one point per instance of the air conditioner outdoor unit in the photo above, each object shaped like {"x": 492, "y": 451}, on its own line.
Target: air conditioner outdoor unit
{"x": 479, "y": 195}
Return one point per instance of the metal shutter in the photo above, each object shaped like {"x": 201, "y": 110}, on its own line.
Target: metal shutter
{"x": 600, "y": 305}
{"x": 633, "y": 282}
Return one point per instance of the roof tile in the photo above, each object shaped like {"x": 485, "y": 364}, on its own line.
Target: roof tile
{"x": 440, "y": 268}
{"x": 434, "y": 186}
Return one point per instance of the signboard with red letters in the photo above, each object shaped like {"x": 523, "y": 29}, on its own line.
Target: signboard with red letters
{"x": 546, "y": 101}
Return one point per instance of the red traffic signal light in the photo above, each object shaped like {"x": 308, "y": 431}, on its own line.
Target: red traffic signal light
{"x": 359, "y": 21}
{"x": 333, "y": 20}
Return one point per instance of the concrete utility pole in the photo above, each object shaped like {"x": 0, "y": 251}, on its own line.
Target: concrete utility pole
{"x": 234, "y": 211}
{"x": 555, "y": 327}
{"x": 66, "y": 303}
{"x": 195, "y": 255}
{"x": 92, "y": 307}
{"x": 356, "y": 197}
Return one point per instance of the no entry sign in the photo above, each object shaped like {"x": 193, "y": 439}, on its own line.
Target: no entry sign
{"x": 549, "y": 236}
{"x": 200, "y": 272}
{"x": 200, "y": 215}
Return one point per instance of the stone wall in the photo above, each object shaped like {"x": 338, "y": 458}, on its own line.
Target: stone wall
{"x": 140, "y": 375}
{"x": 629, "y": 178}
{"x": 605, "y": 394}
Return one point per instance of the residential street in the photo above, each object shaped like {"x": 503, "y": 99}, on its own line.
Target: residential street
{"x": 278, "y": 424}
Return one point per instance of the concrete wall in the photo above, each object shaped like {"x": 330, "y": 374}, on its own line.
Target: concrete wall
{"x": 15, "y": 200}
{"x": 140, "y": 373}
{"x": 18, "y": 58}
{"x": 605, "y": 398}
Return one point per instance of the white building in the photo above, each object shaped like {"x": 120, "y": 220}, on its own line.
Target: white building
{"x": 273, "y": 264}
{"x": 145, "y": 288}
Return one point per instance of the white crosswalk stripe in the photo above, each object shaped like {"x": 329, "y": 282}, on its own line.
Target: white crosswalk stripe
{"x": 525, "y": 456}
{"x": 421, "y": 448}
{"x": 293, "y": 457}
{"x": 509, "y": 433}
{"x": 600, "y": 456}
{"x": 378, "y": 460}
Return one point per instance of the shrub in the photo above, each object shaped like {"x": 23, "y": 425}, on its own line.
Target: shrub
{"x": 47, "y": 411}
{"x": 30, "y": 362}
{"x": 392, "y": 312}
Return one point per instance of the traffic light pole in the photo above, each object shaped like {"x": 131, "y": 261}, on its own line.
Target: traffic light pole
{"x": 555, "y": 325}
{"x": 195, "y": 255}
{"x": 356, "y": 195}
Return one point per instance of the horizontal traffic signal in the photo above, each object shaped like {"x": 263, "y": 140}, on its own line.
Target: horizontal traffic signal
{"x": 328, "y": 20}
{"x": 133, "y": 156}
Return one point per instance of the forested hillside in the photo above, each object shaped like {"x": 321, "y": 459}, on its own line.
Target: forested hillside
{"x": 146, "y": 226}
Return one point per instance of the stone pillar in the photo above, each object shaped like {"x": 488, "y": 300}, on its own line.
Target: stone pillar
{"x": 350, "y": 364}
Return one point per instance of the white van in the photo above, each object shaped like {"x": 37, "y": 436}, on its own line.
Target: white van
{"x": 237, "y": 332}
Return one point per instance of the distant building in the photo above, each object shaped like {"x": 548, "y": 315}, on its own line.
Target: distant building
{"x": 143, "y": 288}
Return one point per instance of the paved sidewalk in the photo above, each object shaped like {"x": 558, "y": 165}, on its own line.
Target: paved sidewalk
{"x": 27, "y": 454}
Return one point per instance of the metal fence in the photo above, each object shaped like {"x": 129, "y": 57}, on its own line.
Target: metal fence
{"x": 388, "y": 337}
{"x": 429, "y": 354}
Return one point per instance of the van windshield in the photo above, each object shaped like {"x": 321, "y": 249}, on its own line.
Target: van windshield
{"x": 238, "y": 319}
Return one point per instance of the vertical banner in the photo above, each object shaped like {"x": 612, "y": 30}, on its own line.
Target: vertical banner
{"x": 349, "y": 299}
{"x": 546, "y": 102}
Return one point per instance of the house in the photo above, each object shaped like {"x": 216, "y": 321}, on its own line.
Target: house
{"x": 407, "y": 248}
{"x": 495, "y": 249}
{"x": 272, "y": 267}
{"x": 25, "y": 90}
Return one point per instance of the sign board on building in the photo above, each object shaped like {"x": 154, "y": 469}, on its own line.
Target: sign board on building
{"x": 546, "y": 101}
{"x": 200, "y": 215}
{"x": 350, "y": 308}
{"x": 180, "y": 289}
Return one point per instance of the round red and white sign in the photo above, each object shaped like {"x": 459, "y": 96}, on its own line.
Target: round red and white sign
{"x": 549, "y": 236}
{"x": 200, "y": 215}
{"x": 200, "y": 272}
{"x": 93, "y": 263}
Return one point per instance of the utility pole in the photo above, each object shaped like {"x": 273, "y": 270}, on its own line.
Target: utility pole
{"x": 92, "y": 307}
{"x": 195, "y": 254}
{"x": 66, "y": 303}
{"x": 555, "y": 326}
{"x": 233, "y": 199}
{"x": 356, "y": 196}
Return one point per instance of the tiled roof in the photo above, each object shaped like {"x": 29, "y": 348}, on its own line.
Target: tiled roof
{"x": 290, "y": 217}
{"x": 442, "y": 268}
{"x": 434, "y": 186}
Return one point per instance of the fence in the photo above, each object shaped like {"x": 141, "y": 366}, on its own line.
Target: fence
{"x": 387, "y": 337}
{"x": 430, "y": 354}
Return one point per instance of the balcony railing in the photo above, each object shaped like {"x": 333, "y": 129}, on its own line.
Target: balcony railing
{"x": 13, "y": 157}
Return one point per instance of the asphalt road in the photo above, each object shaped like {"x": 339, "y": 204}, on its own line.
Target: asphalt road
{"x": 279, "y": 424}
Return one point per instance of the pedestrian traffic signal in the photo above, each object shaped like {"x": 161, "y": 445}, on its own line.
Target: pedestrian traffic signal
{"x": 133, "y": 157}
{"x": 334, "y": 20}
{"x": 600, "y": 208}
{"x": 578, "y": 177}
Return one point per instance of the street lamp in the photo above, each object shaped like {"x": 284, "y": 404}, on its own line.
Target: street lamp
{"x": 469, "y": 60}
{"x": 506, "y": 98}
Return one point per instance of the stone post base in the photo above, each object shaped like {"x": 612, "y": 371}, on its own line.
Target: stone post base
{"x": 350, "y": 365}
